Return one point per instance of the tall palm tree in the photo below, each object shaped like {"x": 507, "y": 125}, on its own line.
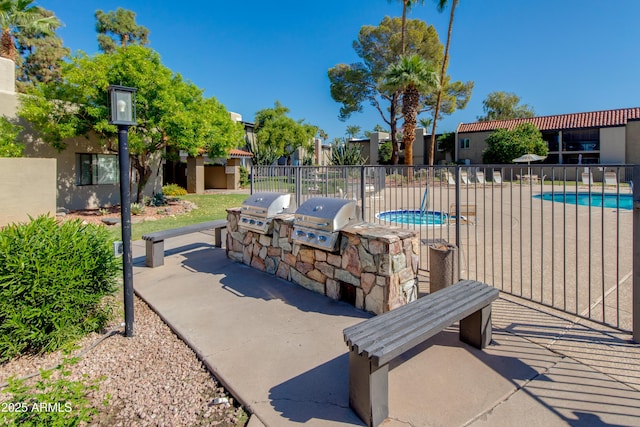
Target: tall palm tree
{"x": 17, "y": 14}
{"x": 412, "y": 75}
{"x": 441, "y": 5}
{"x": 406, "y": 5}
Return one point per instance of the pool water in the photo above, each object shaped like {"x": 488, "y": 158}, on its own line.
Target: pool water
{"x": 613, "y": 201}
{"x": 414, "y": 217}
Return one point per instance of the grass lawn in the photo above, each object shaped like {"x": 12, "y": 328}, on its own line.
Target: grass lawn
{"x": 210, "y": 207}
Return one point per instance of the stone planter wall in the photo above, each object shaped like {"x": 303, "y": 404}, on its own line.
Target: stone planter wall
{"x": 375, "y": 268}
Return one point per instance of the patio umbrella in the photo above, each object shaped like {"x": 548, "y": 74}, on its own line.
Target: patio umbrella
{"x": 528, "y": 158}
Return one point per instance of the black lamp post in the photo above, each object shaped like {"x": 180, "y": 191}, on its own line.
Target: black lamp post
{"x": 122, "y": 101}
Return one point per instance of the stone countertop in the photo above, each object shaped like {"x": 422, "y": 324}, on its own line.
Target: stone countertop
{"x": 379, "y": 232}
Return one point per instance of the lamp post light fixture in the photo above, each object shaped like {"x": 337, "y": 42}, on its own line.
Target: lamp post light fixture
{"x": 122, "y": 112}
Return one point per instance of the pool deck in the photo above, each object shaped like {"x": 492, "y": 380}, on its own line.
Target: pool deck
{"x": 279, "y": 349}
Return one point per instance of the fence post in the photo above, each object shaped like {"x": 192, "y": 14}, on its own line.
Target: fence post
{"x": 363, "y": 190}
{"x": 636, "y": 253}
{"x": 298, "y": 184}
{"x": 459, "y": 251}
{"x": 251, "y": 177}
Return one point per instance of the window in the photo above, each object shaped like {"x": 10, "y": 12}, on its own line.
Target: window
{"x": 97, "y": 169}
{"x": 581, "y": 140}
{"x": 464, "y": 143}
{"x": 439, "y": 145}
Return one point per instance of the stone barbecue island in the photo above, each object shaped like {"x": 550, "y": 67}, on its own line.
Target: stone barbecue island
{"x": 374, "y": 268}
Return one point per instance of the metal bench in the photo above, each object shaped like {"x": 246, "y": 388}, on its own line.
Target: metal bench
{"x": 378, "y": 340}
{"x": 155, "y": 241}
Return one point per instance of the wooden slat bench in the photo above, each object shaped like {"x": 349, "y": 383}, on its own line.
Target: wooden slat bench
{"x": 378, "y": 340}
{"x": 155, "y": 241}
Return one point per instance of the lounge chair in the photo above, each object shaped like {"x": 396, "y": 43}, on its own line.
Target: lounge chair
{"x": 464, "y": 177}
{"x": 449, "y": 177}
{"x": 496, "y": 177}
{"x": 587, "y": 178}
{"x": 480, "y": 178}
{"x": 610, "y": 178}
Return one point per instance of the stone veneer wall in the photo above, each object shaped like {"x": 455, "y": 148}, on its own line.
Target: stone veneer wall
{"x": 375, "y": 267}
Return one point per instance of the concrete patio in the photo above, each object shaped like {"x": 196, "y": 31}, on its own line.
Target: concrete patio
{"x": 279, "y": 350}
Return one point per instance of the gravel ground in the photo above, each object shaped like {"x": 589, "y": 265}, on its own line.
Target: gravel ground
{"x": 151, "y": 379}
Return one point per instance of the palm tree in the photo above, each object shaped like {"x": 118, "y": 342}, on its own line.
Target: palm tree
{"x": 21, "y": 14}
{"x": 353, "y": 131}
{"x": 441, "y": 5}
{"x": 413, "y": 75}
{"x": 406, "y": 5}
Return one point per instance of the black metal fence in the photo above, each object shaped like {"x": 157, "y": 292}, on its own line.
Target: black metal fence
{"x": 562, "y": 236}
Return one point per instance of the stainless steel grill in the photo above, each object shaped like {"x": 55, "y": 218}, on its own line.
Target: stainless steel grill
{"x": 258, "y": 210}
{"x": 318, "y": 221}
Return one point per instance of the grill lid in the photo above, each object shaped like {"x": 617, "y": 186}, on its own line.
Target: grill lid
{"x": 325, "y": 213}
{"x": 266, "y": 205}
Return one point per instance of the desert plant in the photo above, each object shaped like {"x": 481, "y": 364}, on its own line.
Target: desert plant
{"x": 53, "y": 278}
{"x": 137, "y": 208}
{"x": 346, "y": 154}
{"x": 173, "y": 190}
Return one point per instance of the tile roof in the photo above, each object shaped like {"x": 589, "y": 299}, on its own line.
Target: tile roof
{"x": 605, "y": 118}
{"x": 239, "y": 153}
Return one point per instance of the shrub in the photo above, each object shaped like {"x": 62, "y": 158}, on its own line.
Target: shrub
{"x": 53, "y": 278}
{"x": 173, "y": 190}
{"x": 244, "y": 177}
{"x": 137, "y": 208}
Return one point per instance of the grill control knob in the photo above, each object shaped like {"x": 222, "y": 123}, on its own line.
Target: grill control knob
{"x": 300, "y": 233}
{"x": 322, "y": 238}
{"x": 253, "y": 221}
{"x": 311, "y": 235}
{"x": 260, "y": 223}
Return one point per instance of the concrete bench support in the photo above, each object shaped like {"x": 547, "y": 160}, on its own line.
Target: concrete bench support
{"x": 376, "y": 341}
{"x": 155, "y": 241}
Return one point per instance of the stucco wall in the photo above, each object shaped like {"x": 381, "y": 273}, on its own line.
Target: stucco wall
{"x": 632, "y": 152}
{"x": 7, "y": 88}
{"x": 215, "y": 177}
{"x": 612, "y": 145}
{"x": 27, "y": 188}
{"x": 72, "y": 196}
{"x": 476, "y": 146}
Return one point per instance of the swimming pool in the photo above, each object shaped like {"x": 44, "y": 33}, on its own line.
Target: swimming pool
{"x": 414, "y": 217}
{"x": 614, "y": 201}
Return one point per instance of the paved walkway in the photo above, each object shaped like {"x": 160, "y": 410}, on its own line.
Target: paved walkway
{"x": 278, "y": 349}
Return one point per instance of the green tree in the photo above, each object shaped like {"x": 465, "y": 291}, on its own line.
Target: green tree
{"x": 9, "y": 144}
{"x": 170, "y": 111}
{"x": 41, "y": 55}
{"x": 447, "y": 142}
{"x": 384, "y": 153}
{"x": 353, "y": 85}
{"x": 441, "y": 4}
{"x": 282, "y": 134}
{"x": 504, "y": 106}
{"x": 413, "y": 76}
{"x": 353, "y": 131}
{"x": 119, "y": 28}
{"x": 504, "y": 145}
{"x": 17, "y": 15}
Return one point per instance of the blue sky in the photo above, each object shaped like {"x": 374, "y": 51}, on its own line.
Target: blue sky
{"x": 559, "y": 56}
